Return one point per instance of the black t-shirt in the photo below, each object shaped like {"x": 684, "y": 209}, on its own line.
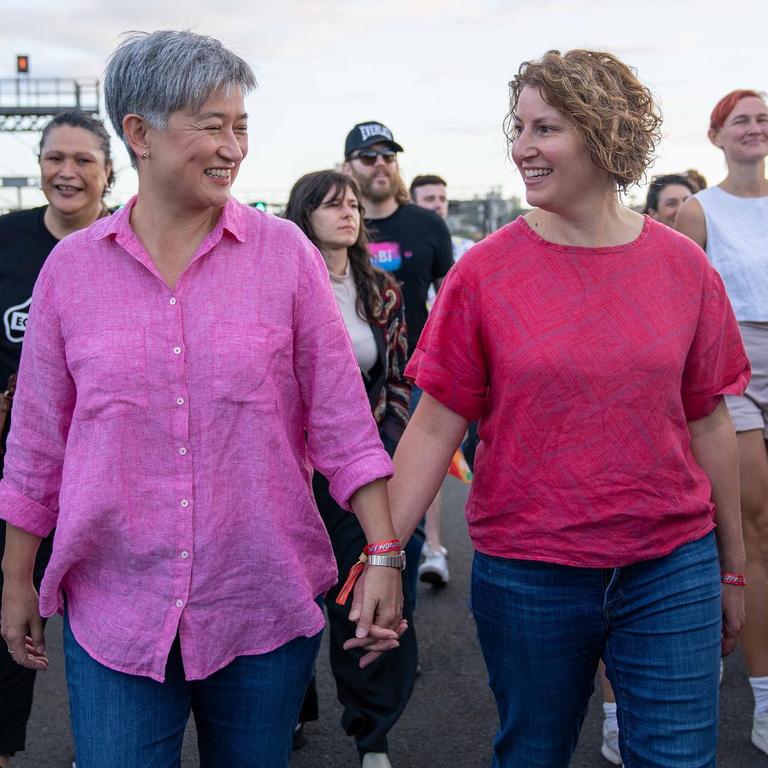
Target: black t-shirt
{"x": 24, "y": 246}
{"x": 415, "y": 245}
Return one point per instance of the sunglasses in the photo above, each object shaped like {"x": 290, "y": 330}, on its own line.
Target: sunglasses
{"x": 370, "y": 156}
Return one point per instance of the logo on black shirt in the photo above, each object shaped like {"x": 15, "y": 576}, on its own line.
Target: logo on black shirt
{"x": 15, "y": 321}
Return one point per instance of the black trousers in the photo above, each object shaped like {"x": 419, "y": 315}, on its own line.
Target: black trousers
{"x": 373, "y": 698}
{"x": 16, "y": 682}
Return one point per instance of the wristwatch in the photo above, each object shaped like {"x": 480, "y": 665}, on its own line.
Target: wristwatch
{"x": 390, "y": 561}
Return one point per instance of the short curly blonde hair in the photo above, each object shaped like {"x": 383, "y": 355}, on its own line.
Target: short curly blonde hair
{"x": 614, "y": 112}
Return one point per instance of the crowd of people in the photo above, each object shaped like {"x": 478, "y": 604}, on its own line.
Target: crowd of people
{"x": 198, "y": 504}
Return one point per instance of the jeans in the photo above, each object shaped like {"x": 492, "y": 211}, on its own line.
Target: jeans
{"x": 656, "y": 624}
{"x": 245, "y": 713}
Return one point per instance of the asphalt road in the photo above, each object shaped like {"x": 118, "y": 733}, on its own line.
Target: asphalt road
{"x": 451, "y": 719}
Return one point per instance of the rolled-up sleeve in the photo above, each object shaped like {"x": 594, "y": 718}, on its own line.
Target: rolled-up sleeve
{"x": 342, "y": 437}
{"x": 717, "y": 363}
{"x": 450, "y": 361}
{"x": 42, "y": 414}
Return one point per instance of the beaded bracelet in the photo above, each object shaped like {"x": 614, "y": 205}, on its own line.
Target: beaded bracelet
{"x": 735, "y": 579}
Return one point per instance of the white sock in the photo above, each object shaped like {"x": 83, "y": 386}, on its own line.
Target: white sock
{"x": 609, "y": 712}
{"x": 760, "y": 691}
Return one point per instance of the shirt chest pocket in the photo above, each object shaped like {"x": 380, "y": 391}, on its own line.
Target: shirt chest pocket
{"x": 249, "y": 363}
{"x": 109, "y": 370}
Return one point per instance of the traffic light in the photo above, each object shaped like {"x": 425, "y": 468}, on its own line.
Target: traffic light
{"x": 22, "y": 65}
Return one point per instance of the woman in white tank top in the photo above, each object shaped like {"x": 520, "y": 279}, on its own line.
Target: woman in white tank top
{"x": 730, "y": 222}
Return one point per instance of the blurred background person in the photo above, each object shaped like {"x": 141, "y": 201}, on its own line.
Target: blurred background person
{"x": 411, "y": 243}
{"x": 430, "y": 191}
{"x": 665, "y": 196}
{"x": 326, "y": 206}
{"x": 730, "y": 221}
{"x": 75, "y": 173}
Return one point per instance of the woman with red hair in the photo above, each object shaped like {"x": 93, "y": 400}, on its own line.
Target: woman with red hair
{"x": 730, "y": 221}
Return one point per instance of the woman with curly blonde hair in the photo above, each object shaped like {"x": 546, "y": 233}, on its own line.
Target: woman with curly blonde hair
{"x": 594, "y": 345}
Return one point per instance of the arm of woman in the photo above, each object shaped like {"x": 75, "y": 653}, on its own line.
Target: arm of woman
{"x": 421, "y": 460}
{"x": 713, "y": 444}
{"x": 22, "y": 626}
{"x": 29, "y": 491}
{"x": 690, "y": 221}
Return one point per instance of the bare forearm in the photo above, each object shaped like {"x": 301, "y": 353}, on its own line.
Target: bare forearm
{"x": 713, "y": 443}
{"x": 19, "y": 556}
{"x": 421, "y": 460}
{"x": 371, "y": 508}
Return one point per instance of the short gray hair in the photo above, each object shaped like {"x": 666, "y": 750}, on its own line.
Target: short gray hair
{"x": 153, "y": 74}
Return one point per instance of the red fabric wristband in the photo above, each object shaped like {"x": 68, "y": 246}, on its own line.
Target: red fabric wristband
{"x": 735, "y": 579}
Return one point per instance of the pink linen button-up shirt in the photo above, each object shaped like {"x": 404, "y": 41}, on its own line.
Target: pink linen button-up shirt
{"x": 169, "y": 436}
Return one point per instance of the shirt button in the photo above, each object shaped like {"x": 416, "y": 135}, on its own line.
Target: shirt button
{"x": 183, "y": 451}
{"x": 184, "y": 503}
{"x": 179, "y": 401}
{"x": 172, "y": 302}
{"x": 179, "y": 603}
{"x": 184, "y": 554}
{"x": 177, "y": 350}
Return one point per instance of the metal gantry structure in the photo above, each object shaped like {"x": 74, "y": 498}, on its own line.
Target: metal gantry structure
{"x": 27, "y": 103}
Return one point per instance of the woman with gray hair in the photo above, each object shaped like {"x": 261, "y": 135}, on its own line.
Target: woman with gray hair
{"x": 178, "y": 382}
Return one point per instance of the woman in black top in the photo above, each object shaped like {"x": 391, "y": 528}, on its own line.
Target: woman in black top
{"x": 76, "y": 172}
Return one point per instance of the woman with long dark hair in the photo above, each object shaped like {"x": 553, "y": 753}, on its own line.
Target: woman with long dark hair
{"x": 326, "y": 206}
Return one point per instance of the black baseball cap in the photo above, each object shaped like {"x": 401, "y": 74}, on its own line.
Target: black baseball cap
{"x": 368, "y": 133}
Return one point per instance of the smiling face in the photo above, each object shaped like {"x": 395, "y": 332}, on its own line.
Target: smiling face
{"x": 336, "y": 221}
{"x": 552, "y": 157}
{"x": 195, "y": 160}
{"x": 671, "y": 197}
{"x": 73, "y": 171}
{"x": 743, "y": 136}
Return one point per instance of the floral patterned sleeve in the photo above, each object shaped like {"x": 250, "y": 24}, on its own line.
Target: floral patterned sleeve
{"x": 392, "y": 406}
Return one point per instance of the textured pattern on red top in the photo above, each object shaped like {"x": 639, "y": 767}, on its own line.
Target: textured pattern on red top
{"x": 583, "y": 366}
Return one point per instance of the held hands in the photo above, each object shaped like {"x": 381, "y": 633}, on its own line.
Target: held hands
{"x": 377, "y": 607}
{"x": 22, "y": 626}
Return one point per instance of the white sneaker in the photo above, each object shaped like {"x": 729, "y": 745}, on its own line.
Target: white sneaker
{"x": 434, "y": 569}
{"x": 760, "y": 732}
{"x": 376, "y": 760}
{"x": 609, "y": 749}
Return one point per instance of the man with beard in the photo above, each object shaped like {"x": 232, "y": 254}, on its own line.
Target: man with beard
{"x": 415, "y": 245}
{"x": 411, "y": 242}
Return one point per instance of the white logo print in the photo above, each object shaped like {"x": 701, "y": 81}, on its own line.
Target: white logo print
{"x": 15, "y": 321}
{"x": 374, "y": 129}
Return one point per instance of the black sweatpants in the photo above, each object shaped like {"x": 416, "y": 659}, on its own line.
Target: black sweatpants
{"x": 373, "y": 698}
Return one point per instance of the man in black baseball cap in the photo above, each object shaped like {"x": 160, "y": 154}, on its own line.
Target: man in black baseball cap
{"x": 365, "y": 135}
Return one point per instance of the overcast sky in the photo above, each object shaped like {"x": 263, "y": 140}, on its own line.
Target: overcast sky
{"x": 434, "y": 71}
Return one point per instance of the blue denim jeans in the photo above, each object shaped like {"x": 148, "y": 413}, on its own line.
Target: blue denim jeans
{"x": 245, "y": 713}
{"x": 656, "y": 624}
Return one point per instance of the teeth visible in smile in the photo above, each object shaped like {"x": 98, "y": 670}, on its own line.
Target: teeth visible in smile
{"x": 218, "y": 173}
{"x": 66, "y": 188}
{"x": 532, "y": 173}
